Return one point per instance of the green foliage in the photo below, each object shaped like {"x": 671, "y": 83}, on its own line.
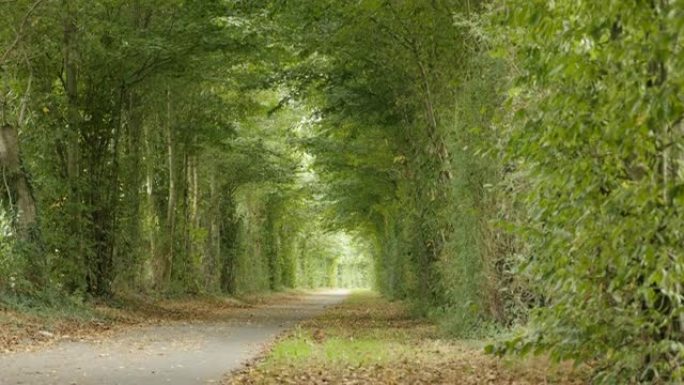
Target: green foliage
{"x": 597, "y": 132}
{"x": 183, "y": 146}
{"x": 155, "y": 146}
{"x": 396, "y": 159}
{"x": 12, "y": 265}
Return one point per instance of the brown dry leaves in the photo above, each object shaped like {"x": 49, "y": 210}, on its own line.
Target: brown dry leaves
{"x": 407, "y": 351}
{"x": 22, "y": 332}
{"x": 19, "y": 332}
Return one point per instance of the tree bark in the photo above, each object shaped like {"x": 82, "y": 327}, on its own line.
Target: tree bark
{"x": 71, "y": 90}
{"x": 19, "y": 189}
{"x": 149, "y": 189}
{"x": 171, "y": 207}
{"x": 213, "y": 248}
{"x": 21, "y": 202}
{"x": 74, "y": 207}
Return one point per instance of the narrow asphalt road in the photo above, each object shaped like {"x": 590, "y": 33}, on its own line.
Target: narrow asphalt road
{"x": 176, "y": 354}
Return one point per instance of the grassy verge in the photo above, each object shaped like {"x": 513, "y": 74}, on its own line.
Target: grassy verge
{"x": 368, "y": 340}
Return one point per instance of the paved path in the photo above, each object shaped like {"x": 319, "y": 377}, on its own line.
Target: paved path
{"x": 177, "y": 354}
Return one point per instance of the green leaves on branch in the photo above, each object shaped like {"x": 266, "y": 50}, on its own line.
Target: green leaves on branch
{"x": 598, "y": 129}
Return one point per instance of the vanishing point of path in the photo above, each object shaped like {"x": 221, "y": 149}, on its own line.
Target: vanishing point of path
{"x": 175, "y": 354}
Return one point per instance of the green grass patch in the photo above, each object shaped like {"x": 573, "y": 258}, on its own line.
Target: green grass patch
{"x": 338, "y": 350}
{"x": 348, "y": 335}
{"x": 369, "y": 340}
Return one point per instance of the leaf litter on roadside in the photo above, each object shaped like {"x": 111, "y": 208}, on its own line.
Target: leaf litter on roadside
{"x": 371, "y": 341}
{"x": 26, "y": 332}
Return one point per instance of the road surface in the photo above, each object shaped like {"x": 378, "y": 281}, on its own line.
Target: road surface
{"x": 175, "y": 354}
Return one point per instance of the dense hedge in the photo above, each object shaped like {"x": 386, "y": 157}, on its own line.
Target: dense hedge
{"x": 597, "y": 130}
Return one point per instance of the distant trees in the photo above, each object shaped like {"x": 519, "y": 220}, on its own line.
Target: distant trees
{"x": 137, "y": 149}
{"x": 396, "y": 145}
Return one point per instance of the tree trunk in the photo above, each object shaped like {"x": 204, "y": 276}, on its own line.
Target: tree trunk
{"x": 195, "y": 193}
{"x": 171, "y": 208}
{"x": 71, "y": 90}
{"x": 187, "y": 244}
{"x": 193, "y": 221}
{"x": 21, "y": 201}
{"x": 17, "y": 184}
{"x": 74, "y": 207}
{"x": 213, "y": 245}
{"x": 149, "y": 189}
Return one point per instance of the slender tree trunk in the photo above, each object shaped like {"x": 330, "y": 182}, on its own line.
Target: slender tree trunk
{"x": 195, "y": 193}
{"x": 193, "y": 221}
{"x": 187, "y": 244}
{"x": 171, "y": 208}
{"x": 74, "y": 207}
{"x": 71, "y": 89}
{"x": 127, "y": 258}
{"x": 149, "y": 189}
{"x": 213, "y": 250}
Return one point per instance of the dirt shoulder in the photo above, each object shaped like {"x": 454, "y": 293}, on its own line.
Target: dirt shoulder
{"x": 368, "y": 340}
